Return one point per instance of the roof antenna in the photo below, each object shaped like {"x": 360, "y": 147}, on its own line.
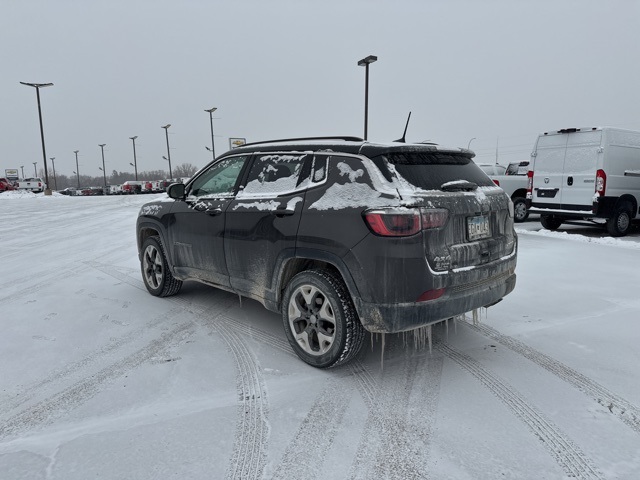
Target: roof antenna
{"x": 402, "y": 140}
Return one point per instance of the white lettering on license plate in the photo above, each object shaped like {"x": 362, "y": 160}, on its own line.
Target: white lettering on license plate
{"x": 478, "y": 227}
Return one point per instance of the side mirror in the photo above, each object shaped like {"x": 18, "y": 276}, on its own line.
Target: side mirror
{"x": 176, "y": 191}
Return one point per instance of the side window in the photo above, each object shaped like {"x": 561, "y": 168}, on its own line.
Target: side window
{"x": 220, "y": 179}
{"x": 274, "y": 174}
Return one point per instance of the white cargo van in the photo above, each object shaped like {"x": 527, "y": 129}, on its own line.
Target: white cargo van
{"x": 590, "y": 174}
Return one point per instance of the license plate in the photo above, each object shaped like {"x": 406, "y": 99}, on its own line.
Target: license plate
{"x": 478, "y": 227}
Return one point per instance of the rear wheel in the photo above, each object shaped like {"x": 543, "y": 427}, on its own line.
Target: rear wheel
{"x": 520, "y": 212}
{"x": 155, "y": 271}
{"x": 620, "y": 223}
{"x": 320, "y": 320}
{"x": 550, "y": 222}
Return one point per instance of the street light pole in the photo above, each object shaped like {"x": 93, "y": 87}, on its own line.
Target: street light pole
{"x": 104, "y": 173}
{"x": 55, "y": 183}
{"x": 22, "y": 168}
{"x": 365, "y": 62}
{"x": 35, "y": 171}
{"x": 77, "y": 172}
{"x": 213, "y": 148}
{"x": 135, "y": 162}
{"x": 37, "y": 86}
{"x": 166, "y": 131}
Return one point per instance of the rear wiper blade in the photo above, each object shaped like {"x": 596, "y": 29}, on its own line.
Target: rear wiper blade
{"x": 459, "y": 186}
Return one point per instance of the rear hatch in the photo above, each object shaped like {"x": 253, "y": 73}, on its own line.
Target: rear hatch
{"x": 564, "y": 169}
{"x": 479, "y": 226}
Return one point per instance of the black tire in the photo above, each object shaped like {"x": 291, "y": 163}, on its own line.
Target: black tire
{"x": 155, "y": 271}
{"x": 550, "y": 222}
{"x": 520, "y": 211}
{"x": 620, "y": 224}
{"x": 319, "y": 319}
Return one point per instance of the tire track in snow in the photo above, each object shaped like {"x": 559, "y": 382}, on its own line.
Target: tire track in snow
{"x": 307, "y": 451}
{"x": 74, "y": 368}
{"x": 623, "y": 409}
{"x": 393, "y": 445}
{"x": 45, "y": 411}
{"x": 568, "y": 455}
{"x": 252, "y": 431}
{"x": 248, "y": 458}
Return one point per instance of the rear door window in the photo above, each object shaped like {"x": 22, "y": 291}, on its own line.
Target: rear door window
{"x": 275, "y": 174}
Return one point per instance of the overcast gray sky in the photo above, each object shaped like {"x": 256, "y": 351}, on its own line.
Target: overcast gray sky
{"x": 499, "y": 71}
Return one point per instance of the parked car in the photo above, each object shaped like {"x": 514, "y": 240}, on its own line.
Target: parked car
{"x": 586, "y": 174}
{"x": 6, "y": 185}
{"x": 513, "y": 180}
{"x": 131, "y": 187}
{"x": 71, "y": 191}
{"x": 339, "y": 235}
{"x": 35, "y": 185}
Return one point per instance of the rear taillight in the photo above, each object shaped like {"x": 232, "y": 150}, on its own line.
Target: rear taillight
{"x": 394, "y": 222}
{"x": 601, "y": 182}
{"x": 530, "y": 184}
{"x": 497, "y": 182}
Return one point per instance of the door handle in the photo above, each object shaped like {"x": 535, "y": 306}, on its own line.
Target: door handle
{"x": 283, "y": 212}
{"x": 214, "y": 212}
{"x": 569, "y": 181}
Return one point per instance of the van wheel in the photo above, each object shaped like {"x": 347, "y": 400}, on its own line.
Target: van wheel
{"x": 620, "y": 223}
{"x": 155, "y": 272}
{"x": 320, "y": 320}
{"x": 520, "y": 212}
{"x": 550, "y": 222}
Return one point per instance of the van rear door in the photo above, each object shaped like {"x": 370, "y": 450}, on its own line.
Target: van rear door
{"x": 548, "y": 167}
{"x": 565, "y": 169}
{"x": 580, "y": 165}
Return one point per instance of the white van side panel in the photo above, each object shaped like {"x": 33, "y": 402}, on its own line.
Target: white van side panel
{"x": 622, "y": 153}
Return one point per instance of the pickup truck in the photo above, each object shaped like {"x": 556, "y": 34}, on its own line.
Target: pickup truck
{"x": 36, "y": 185}
{"x": 513, "y": 180}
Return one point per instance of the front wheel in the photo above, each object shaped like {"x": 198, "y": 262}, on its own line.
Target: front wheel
{"x": 320, "y": 320}
{"x": 156, "y": 275}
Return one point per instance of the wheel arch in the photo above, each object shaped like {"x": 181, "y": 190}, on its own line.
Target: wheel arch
{"x": 289, "y": 266}
{"x": 148, "y": 228}
{"x": 520, "y": 193}
{"x": 628, "y": 198}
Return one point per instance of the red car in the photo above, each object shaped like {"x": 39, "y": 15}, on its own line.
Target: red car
{"x": 6, "y": 185}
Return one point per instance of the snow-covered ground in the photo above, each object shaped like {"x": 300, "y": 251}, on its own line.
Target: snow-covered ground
{"x": 102, "y": 380}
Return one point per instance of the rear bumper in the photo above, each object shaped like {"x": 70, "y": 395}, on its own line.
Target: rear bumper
{"x": 399, "y": 317}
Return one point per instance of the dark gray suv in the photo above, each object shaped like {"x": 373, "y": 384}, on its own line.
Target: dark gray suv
{"x": 337, "y": 234}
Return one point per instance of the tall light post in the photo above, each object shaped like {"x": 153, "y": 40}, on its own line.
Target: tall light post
{"x": 38, "y": 86}
{"x": 213, "y": 148}
{"x": 55, "y": 183}
{"x": 365, "y": 62}
{"x": 22, "y": 168}
{"x": 168, "y": 157}
{"x": 469, "y": 144}
{"x": 77, "y": 172}
{"x": 35, "y": 171}
{"x": 135, "y": 162}
{"x": 104, "y": 173}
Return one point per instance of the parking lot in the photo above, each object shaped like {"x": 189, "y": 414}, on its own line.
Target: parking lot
{"x": 101, "y": 379}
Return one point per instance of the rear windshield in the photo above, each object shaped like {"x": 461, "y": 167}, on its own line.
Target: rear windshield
{"x": 429, "y": 170}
